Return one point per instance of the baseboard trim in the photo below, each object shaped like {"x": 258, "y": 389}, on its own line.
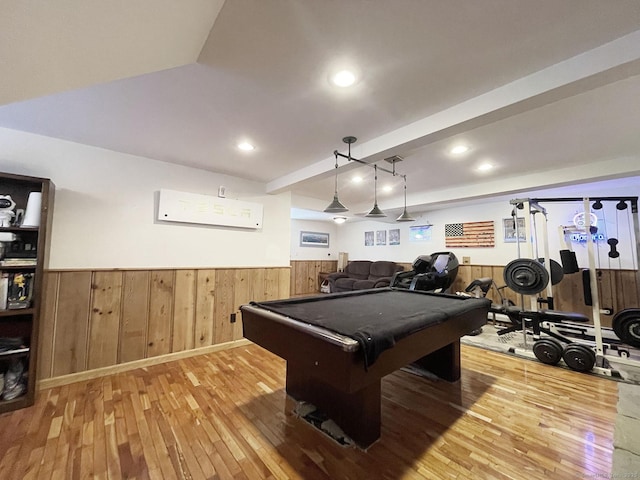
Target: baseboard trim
{"x": 145, "y": 362}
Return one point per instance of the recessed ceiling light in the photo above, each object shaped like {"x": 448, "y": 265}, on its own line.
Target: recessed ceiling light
{"x": 459, "y": 149}
{"x": 356, "y": 179}
{"x": 246, "y": 146}
{"x": 339, "y": 219}
{"x": 485, "y": 167}
{"x": 344, "y": 78}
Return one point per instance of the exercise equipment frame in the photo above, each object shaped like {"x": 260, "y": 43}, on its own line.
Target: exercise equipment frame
{"x": 533, "y": 206}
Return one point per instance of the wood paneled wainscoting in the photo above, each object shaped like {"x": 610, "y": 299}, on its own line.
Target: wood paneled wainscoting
{"x": 101, "y": 318}
{"x": 617, "y": 289}
{"x": 304, "y": 275}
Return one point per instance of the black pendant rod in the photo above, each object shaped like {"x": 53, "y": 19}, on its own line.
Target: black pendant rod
{"x": 350, "y": 158}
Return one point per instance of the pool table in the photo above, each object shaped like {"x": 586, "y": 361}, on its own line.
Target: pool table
{"x": 339, "y": 346}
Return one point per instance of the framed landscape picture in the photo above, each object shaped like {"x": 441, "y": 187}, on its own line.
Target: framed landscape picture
{"x": 381, "y": 237}
{"x": 314, "y": 239}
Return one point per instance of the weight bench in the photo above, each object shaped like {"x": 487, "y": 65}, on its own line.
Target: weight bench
{"x": 533, "y": 320}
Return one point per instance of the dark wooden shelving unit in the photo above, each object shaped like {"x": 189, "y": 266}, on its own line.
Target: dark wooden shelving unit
{"x": 24, "y": 322}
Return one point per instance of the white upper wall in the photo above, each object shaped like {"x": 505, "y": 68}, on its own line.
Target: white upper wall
{"x": 299, "y": 252}
{"x": 612, "y": 223}
{"x": 105, "y": 209}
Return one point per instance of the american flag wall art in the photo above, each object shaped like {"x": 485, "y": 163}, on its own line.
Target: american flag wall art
{"x": 471, "y": 234}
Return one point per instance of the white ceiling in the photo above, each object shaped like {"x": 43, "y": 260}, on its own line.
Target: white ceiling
{"x": 547, "y": 91}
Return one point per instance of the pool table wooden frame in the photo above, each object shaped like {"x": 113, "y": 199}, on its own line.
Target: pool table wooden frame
{"x": 327, "y": 369}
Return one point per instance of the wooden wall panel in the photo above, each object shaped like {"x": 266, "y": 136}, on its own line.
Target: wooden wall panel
{"x": 191, "y": 308}
{"x": 271, "y": 284}
{"x": 568, "y": 295}
{"x": 104, "y": 320}
{"x": 160, "y": 313}
{"x": 242, "y": 296}
{"x": 629, "y": 287}
{"x": 47, "y": 324}
{"x": 256, "y": 286}
{"x": 606, "y": 289}
{"x": 284, "y": 280}
{"x": 205, "y": 307}
{"x": 328, "y": 266}
{"x": 312, "y": 279}
{"x": 224, "y": 306}
{"x": 184, "y": 310}
{"x": 135, "y": 315}
{"x": 301, "y": 275}
{"x": 303, "y": 278}
{"x": 100, "y": 318}
{"x": 72, "y": 323}
{"x": 462, "y": 279}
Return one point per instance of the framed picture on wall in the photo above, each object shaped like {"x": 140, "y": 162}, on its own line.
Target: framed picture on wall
{"x": 509, "y": 229}
{"x": 314, "y": 239}
{"x": 394, "y": 236}
{"x": 368, "y": 239}
{"x": 381, "y": 237}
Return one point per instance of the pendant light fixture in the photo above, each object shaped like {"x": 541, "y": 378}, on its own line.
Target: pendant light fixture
{"x": 335, "y": 206}
{"x": 375, "y": 211}
{"x": 405, "y": 217}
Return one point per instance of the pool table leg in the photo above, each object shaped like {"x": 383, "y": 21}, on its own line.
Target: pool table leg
{"x": 445, "y": 363}
{"x": 358, "y": 414}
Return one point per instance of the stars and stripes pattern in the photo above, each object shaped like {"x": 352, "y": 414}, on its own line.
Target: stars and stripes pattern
{"x": 471, "y": 234}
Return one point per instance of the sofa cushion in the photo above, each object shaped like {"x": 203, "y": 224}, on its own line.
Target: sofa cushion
{"x": 383, "y": 269}
{"x": 345, "y": 284}
{"x": 363, "y": 284}
{"x": 359, "y": 269}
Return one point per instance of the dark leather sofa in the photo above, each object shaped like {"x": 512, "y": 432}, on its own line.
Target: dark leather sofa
{"x": 363, "y": 274}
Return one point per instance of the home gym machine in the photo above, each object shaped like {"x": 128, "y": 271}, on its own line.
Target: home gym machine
{"x": 566, "y": 336}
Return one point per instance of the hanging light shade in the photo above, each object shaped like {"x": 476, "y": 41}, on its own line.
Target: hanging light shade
{"x": 405, "y": 217}
{"x": 375, "y": 211}
{"x": 335, "y": 206}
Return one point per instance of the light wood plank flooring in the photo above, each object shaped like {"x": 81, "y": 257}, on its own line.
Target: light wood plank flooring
{"x": 225, "y": 415}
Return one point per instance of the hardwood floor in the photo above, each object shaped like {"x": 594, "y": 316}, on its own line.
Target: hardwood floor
{"x": 225, "y": 415}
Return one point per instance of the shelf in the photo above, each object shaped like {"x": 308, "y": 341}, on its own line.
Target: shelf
{"x": 17, "y": 311}
{"x": 14, "y": 353}
{"x": 24, "y": 322}
{"x": 13, "y": 268}
{"x": 19, "y": 229}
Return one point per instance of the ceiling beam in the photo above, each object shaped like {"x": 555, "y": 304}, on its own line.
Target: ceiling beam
{"x": 600, "y": 66}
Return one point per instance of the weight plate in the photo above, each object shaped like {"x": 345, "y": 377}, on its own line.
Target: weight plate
{"x": 631, "y": 331}
{"x": 557, "y": 272}
{"x": 526, "y": 276}
{"x": 548, "y": 350}
{"x": 619, "y": 320}
{"x": 579, "y": 357}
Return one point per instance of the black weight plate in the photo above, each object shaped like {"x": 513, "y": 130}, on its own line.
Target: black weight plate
{"x": 620, "y": 318}
{"x": 548, "y": 351}
{"x": 579, "y": 357}
{"x": 631, "y": 331}
{"x": 526, "y": 276}
{"x": 557, "y": 272}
